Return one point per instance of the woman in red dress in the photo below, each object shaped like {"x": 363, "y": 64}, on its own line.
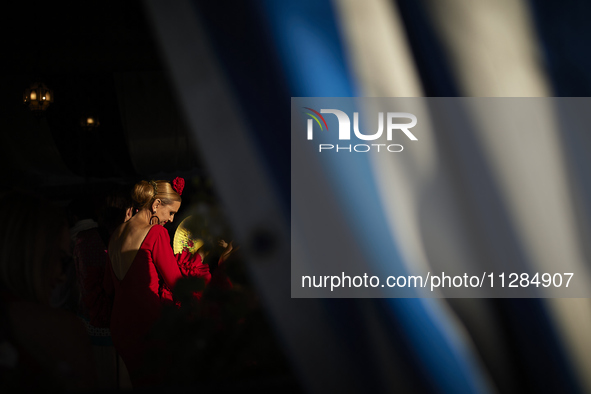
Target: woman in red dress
{"x": 141, "y": 257}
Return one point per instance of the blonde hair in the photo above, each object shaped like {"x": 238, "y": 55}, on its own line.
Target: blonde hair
{"x": 29, "y": 239}
{"x": 145, "y": 193}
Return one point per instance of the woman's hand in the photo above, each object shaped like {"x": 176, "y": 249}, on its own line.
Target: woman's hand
{"x": 227, "y": 249}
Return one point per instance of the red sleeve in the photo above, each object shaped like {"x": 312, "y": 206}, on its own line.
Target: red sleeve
{"x": 163, "y": 257}
{"x": 191, "y": 265}
{"x": 182, "y": 259}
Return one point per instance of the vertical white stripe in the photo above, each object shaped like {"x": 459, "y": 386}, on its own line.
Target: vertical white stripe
{"x": 494, "y": 53}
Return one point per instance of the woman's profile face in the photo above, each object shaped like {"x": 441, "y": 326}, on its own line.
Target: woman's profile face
{"x": 166, "y": 212}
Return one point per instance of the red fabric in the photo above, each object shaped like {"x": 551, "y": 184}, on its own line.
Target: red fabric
{"x": 190, "y": 265}
{"x": 137, "y": 304}
{"x": 90, "y": 259}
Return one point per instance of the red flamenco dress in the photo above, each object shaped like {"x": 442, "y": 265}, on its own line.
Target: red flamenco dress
{"x": 191, "y": 265}
{"x": 138, "y": 304}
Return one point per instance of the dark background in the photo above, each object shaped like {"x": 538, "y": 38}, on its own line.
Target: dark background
{"x": 101, "y": 62}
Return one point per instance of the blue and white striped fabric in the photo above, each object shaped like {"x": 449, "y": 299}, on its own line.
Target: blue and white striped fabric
{"x": 263, "y": 53}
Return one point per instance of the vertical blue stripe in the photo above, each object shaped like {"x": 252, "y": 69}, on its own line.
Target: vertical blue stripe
{"x": 308, "y": 43}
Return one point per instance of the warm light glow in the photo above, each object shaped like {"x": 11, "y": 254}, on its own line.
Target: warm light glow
{"x": 38, "y": 97}
{"x": 89, "y": 121}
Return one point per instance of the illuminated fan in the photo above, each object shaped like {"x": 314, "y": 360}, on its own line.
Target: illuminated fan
{"x": 183, "y": 239}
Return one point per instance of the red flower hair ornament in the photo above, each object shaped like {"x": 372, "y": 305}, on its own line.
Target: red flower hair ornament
{"x": 178, "y": 185}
